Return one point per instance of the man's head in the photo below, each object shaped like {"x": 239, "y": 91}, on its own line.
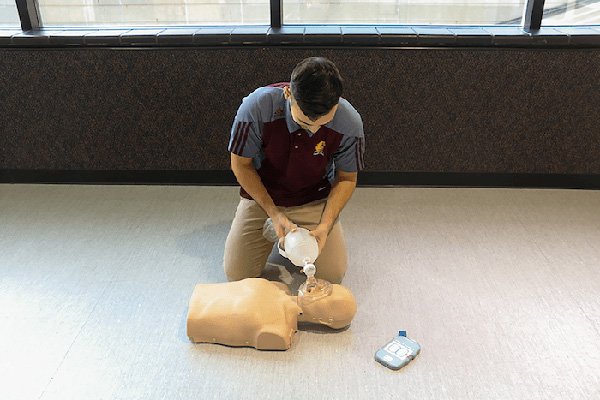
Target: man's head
{"x": 314, "y": 92}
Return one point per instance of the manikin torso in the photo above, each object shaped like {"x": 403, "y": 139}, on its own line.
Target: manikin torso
{"x": 259, "y": 313}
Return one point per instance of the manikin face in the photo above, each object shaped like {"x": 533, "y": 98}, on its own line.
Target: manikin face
{"x": 335, "y": 310}
{"x": 304, "y": 121}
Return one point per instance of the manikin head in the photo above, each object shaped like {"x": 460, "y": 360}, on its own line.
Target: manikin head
{"x": 336, "y": 310}
{"x": 314, "y": 92}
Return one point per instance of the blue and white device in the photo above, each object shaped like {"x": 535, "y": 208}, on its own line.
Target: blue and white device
{"x": 398, "y": 352}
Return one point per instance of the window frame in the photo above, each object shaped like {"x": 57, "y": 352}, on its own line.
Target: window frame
{"x": 530, "y": 33}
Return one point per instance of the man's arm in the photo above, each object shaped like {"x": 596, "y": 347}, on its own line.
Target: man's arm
{"x": 343, "y": 187}
{"x": 248, "y": 178}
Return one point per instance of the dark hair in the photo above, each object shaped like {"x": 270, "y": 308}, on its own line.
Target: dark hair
{"x": 316, "y": 85}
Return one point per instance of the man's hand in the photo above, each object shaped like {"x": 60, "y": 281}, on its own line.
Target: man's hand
{"x": 282, "y": 225}
{"x": 320, "y": 233}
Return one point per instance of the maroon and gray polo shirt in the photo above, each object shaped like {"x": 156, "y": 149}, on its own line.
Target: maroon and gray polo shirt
{"x": 295, "y": 166}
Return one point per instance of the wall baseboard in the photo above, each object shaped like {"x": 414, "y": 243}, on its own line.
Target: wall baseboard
{"x": 366, "y": 178}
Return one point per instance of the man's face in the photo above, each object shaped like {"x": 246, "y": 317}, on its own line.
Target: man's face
{"x": 304, "y": 121}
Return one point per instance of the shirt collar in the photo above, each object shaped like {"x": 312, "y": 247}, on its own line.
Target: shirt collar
{"x": 291, "y": 124}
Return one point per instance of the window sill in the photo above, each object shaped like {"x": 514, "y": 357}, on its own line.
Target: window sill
{"x": 346, "y": 36}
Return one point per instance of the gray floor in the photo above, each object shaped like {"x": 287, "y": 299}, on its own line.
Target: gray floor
{"x": 501, "y": 287}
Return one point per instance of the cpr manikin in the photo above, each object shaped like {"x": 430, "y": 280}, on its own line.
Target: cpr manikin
{"x": 259, "y": 313}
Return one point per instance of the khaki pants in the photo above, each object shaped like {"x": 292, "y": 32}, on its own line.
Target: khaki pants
{"x": 246, "y": 250}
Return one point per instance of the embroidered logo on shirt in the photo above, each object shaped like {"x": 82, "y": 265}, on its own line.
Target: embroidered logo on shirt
{"x": 319, "y": 148}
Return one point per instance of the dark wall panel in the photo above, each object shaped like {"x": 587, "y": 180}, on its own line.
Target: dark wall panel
{"x": 434, "y": 110}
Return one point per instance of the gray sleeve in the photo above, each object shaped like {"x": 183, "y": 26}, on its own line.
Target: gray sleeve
{"x": 349, "y": 157}
{"x": 245, "y": 137}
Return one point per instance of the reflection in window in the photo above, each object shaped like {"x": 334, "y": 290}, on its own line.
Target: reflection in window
{"x": 153, "y": 12}
{"x": 439, "y": 12}
{"x": 9, "y": 17}
{"x": 571, "y": 12}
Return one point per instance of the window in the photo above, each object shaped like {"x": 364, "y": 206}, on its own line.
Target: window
{"x": 416, "y": 12}
{"x": 9, "y": 17}
{"x": 126, "y": 14}
{"x": 571, "y": 12}
{"x": 153, "y": 12}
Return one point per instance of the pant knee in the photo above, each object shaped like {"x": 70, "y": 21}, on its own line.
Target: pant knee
{"x": 237, "y": 272}
{"x": 333, "y": 275}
